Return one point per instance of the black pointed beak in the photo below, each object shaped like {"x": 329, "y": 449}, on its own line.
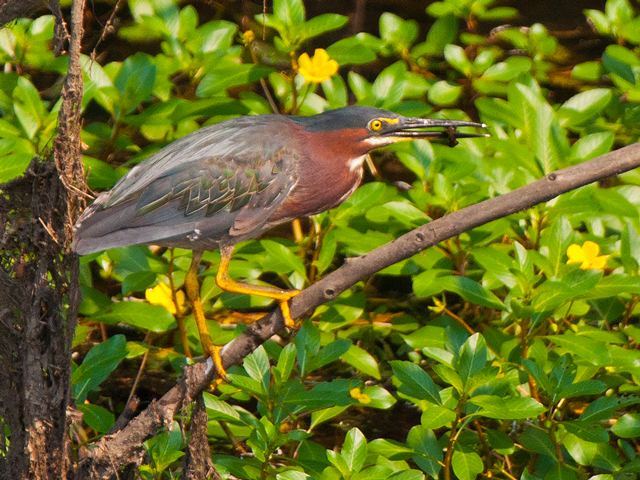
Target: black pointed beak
{"x": 447, "y": 129}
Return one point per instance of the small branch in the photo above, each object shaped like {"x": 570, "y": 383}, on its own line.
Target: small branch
{"x": 114, "y": 451}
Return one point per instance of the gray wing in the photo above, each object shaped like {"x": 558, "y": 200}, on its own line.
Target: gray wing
{"x": 204, "y": 189}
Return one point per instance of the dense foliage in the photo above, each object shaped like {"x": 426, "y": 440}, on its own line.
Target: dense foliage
{"x": 510, "y": 351}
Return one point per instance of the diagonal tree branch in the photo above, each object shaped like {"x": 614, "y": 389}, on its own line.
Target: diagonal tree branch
{"x": 114, "y": 451}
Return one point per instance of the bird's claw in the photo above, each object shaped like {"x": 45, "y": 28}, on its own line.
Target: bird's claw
{"x": 286, "y": 311}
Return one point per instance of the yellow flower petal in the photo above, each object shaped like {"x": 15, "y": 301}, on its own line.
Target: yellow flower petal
{"x": 356, "y": 394}
{"x": 304, "y": 62}
{"x": 587, "y": 256}
{"x": 599, "y": 263}
{"x": 575, "y": 254}
{"x": 161, "y": 295}
{"x": 590, "y": 249}
{"x": 248, "y": 36}
{"x": 438, "y": 306}
{"x": 317, "y": 69}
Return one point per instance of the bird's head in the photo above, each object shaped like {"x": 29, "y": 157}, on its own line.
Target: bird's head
{"x": 365, "y": 128}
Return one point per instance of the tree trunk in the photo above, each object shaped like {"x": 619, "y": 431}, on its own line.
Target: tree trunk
{"x": 35, "y": 330}
{"x": 39, "y": 294}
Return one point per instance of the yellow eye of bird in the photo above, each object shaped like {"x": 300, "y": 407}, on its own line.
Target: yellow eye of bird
{"x": 375, "y": 125}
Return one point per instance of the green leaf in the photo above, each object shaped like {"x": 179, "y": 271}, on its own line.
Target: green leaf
{"x": 390, "y": 449}
{"x": 599, "y": 21}
{"x": 630, "y": 249}
{"x": 466, "y": 465}
{"x": 472, "y": 358}
{"x": 591, "y": 146}
{"x": 471, "y": 291}
{"x": 591, "y": 454}
{"x": 327, "y": 251}
{"x": 588, "y": 431}
{"x": 257, "y": 367}
{"x": 510, "y": 408}
{"x": 100, "y": 175}
{"x": 397, "y": 211}
{"x": 362, "y": 361}
{"x": 290, "y": 12}
{"x": 435, "y": 416}
{"x": 230, "y": 75}
{"x": 538, "y": 441}
{"x": 137, "y": 281}
{"x": 389, "y": 85}
{"x": 164, "y": 448}
{"x": 328, "y": 354}
{"x": 219, "y": 410}
{"x": 613, "y": 285}
{"x": 15, "y": 156}
{"x": 324, "y": 415}
{"x": 428, "y": 452}
{"x": 396, "y": 32}
{"x": 281, "y": 259}
{"x": 354, "y": 450}
{"x": 584, "y": 106}
{"x": 135, "y": 81}
{"x": 500, "y": 442}
{"x": 443, "y": 32}
{"x": 292, "y": 475}
{"x": 286, "y": 362}
{"x": 552, "y": 294}
{"x": 351, "y": 51}
{"x": 137, "y": 314}
{"x": 507, "y": 70}
{"x": 589, "y": 349}
{"x": 603, "y": 408}
{"x": 322, "y": 395}
{"x": 101, "y": 360}
{"x": 415, "y": 382}
{"x": 620, "y": 61}
{"x": 336, "y": 91}
{"x": 457, "y": 58}
{"x": 580, "y": 389}
{"x": 307, "y": 343}
{"x": 587, "y": 71}
{"x": 28, "y": 107}
{"x": 97, "y": 417}
{"x": 92, "y": 300}
{"x": 444, "y": 93}
{"x": 322, "y": 24}
{"x": 216, "y": 35}
{"x": 627, "y": 426}
{"x": 379, "y": 397}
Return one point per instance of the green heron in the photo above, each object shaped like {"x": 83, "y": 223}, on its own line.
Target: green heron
{"x": 233, "y": 181}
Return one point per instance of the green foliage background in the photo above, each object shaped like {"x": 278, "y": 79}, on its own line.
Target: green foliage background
{"x": 487, "y": 356}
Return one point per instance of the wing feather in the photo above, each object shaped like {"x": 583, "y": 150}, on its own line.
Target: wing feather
{"x": 205, "y": 183}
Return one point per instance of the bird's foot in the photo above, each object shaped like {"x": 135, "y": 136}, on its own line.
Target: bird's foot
{"x": 216, "y": 357}
{"x": 286, "y": 312}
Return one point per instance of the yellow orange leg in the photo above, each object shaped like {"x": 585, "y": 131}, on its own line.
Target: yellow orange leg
{"x": 225, "y": 282}
{"x": 193, "y": 292}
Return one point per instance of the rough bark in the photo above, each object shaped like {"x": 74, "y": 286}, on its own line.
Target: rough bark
{"x": 113, "y": 452}
{"x": 197, "y": 463}
{"x": 39, "y": 295}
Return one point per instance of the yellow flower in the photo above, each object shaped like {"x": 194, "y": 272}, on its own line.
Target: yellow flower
{"x": 358, "y": 395}
{"x": 248, "y": 37}
{"x": 439, "y": 306}
{"x": 587, "y": 256}
{"x": 317, "y": 69}
{"x": 161, "y": 295}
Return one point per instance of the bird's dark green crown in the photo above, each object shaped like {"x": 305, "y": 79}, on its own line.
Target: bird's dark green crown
{"x": 344, "y": 118}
